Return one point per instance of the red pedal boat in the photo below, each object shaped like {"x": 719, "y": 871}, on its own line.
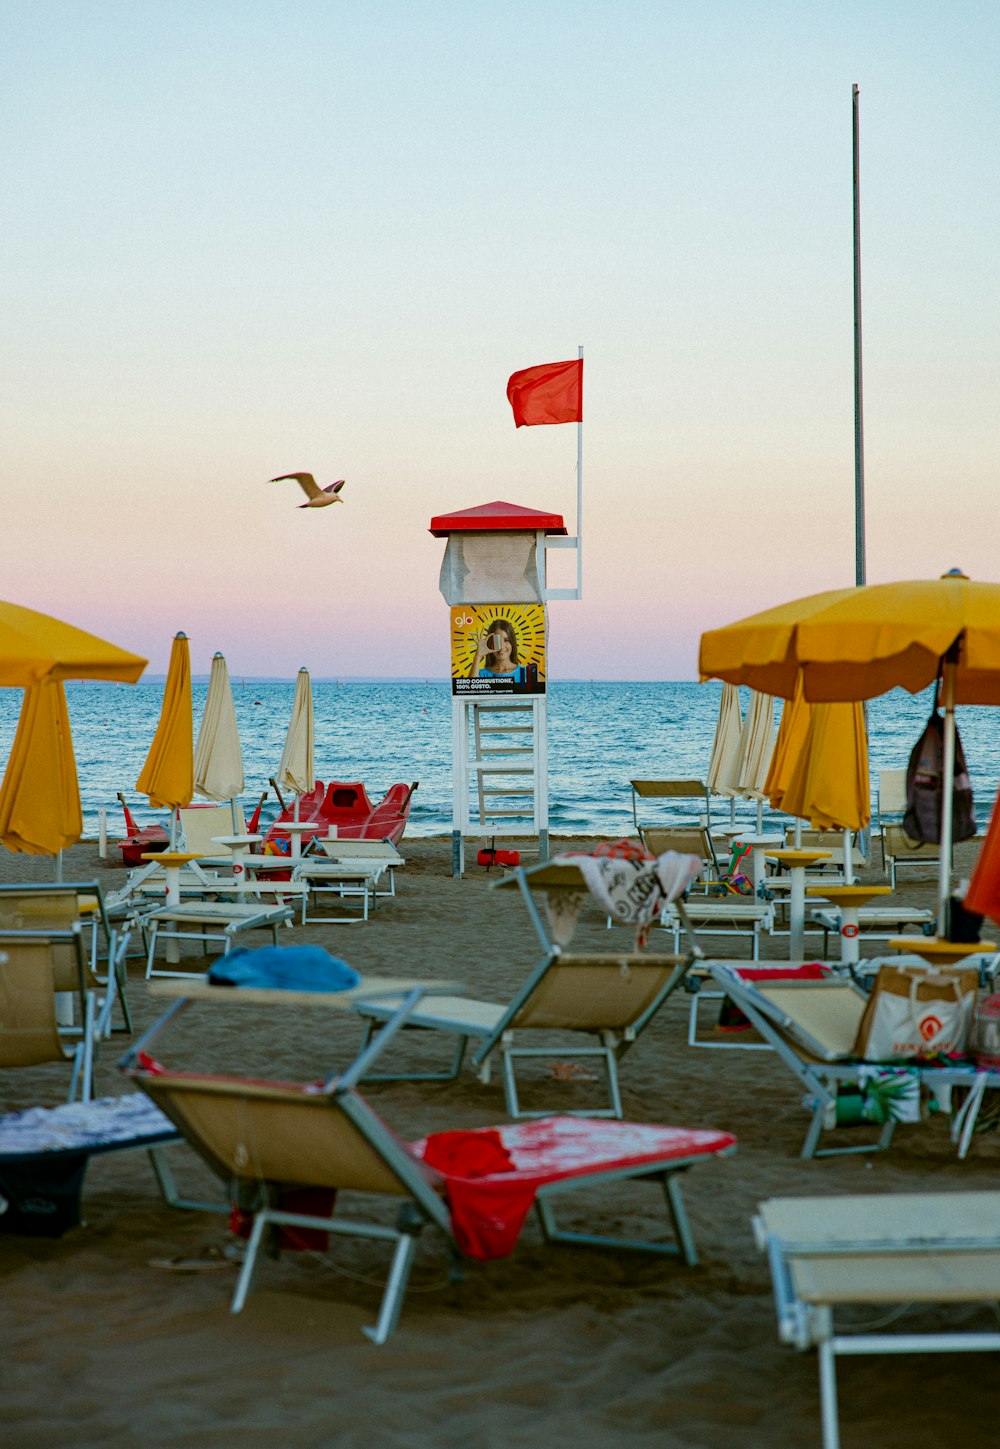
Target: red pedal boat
{"x": 348, "y": 808}
{"x": 142, "y": 839}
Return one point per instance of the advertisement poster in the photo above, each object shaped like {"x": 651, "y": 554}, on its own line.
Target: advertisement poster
{"x": 498, "y": 649}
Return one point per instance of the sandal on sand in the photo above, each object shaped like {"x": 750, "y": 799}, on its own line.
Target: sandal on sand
{"x": 207, "y": 1261}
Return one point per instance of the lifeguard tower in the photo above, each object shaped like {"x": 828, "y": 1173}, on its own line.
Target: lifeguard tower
{"x": 493, "y": 577}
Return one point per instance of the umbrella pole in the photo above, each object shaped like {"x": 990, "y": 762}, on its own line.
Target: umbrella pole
{"x": 848, "y": 857}
{"x": 948, "y": 792}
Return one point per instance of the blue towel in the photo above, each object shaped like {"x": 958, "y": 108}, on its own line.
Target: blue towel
{"x": 284, "y": 968}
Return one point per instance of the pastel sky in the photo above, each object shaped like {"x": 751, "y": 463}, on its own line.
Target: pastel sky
{"x": 242, "y": 238}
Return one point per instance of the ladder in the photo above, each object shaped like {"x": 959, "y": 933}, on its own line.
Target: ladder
{"x": 500, "y": 753}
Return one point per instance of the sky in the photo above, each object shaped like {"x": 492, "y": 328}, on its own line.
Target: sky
{"x": 247, "y": 238}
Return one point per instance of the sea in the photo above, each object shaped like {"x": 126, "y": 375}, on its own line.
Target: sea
{"x": 601, "y": 735}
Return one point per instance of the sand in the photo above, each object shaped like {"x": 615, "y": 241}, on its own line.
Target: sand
{"x": 555, "y": 1347}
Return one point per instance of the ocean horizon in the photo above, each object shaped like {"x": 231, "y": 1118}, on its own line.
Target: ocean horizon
{"x": 602, "y": 734}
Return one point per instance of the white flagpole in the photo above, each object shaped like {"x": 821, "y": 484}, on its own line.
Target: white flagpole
{"x": 579, "y": 488}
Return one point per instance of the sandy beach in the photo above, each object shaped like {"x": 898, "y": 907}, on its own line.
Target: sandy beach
{"x": 553, "y": 1347}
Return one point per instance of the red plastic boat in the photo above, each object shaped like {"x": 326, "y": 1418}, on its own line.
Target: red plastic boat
{"x": 141, "y": 839}
{"x": 346, "y": 806}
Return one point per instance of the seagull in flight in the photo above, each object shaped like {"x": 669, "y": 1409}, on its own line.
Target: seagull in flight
{"x": 318, "y": 497}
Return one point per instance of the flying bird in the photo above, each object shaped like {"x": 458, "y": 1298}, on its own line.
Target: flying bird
{"x": 318, "y": 497}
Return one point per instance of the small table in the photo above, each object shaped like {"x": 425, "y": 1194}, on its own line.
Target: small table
{"x": 937, "y": 952}
{"x": 798, "y": 862}
{"x": 850, "y": 899}
{"x": 296, "y": 829}
{"x": 239, "y": 848}
{"x": 173, "y": 862}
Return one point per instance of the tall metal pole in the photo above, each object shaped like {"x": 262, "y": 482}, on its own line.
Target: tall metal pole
{"x": 859, "y": 422}
{"x": 860, "y": 562}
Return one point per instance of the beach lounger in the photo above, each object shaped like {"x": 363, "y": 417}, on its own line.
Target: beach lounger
{"x": 267, "y": 1141}
{"x": 59, "y": 906}
{"x": 722, "y": 916}
{"x": 607, "y": 998}
{"x": 380, "y": 855}
{"x": 899, "y": 852}
{"x": 34, "y": 966}
{"x": 812, "y": 1026}
{"x": 705, "y": 989}
{"x": 210, "y": 921}
{"x": 876, "y": 1250}
{"x": 202, "y": 825}
{"x": 692, "y": 837}
{"x": 876, "y": 923}
{"x": 343, "y": 880}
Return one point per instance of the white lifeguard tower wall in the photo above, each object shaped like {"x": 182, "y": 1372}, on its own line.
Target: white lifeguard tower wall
{"x": 495, "y": 555}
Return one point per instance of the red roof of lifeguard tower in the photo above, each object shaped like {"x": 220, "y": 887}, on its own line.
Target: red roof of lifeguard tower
{"x": 497, "y": 518}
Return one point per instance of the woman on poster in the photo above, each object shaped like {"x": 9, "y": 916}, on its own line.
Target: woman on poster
{"x": 496, "y": 654}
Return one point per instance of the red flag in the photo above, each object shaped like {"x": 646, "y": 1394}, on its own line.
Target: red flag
{"x": 549, "y": 393}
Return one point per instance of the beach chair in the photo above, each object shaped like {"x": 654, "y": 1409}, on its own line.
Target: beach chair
{"x": 813, "y": 1026}
{"x": 655, "y": 834}
{"x": 59, "y": 906}
{"x": 202, "y": 824}
{"x": 34, "y": 966}
{"x": 686, "y": 840}
{"x": 206, "y": 921}
{"x": 900, "y": 852}
{"x": 897, "y": 847}
{"x": 380, "y": 857}
{"x": 608, "y": 999}
{"x": 876, "y": 923}
{"x": 722, "y": 916}
{"x": 330, "y": 878}
{"x": 873, "y": 1251}
{"x": 267, "y": 1142}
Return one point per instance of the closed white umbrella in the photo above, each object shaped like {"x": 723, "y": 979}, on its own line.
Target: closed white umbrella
{"x": 218, "y": 759}
{"x": 756, "y": 746}
{"x": 722, "y": 776}
{"x": 297, "y": 770}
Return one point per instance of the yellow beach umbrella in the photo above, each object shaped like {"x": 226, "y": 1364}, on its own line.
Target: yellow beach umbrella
{"x": 40, "y": 797}
{"x": 35, "y": 646}
{"x": 828, "y": 783}
{"x": 791, "y": 736}
{"x": 723, "y": 761}
{"x": 218, "y": 759}
{"x": 855, "y": 644}
{"x": 168, "y": 775}
{"x": 859, "y": 643}
{"x": 297, "y": 770}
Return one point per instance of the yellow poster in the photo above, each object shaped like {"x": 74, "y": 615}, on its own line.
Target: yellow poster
{"x": 498, "y": 649}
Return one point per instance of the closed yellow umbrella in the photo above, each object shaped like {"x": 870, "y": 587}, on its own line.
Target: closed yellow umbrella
{"x": 35, "y": 646}
{"x": 828, "y": 782}
{"x": 40, "y": 797}
{"x": 218, "y": 759}
{"x": 791, "y": 736}
{"x": 855, "y": 644}
{"x": 168, "y": 775}
{"x": 297, "y": 770}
